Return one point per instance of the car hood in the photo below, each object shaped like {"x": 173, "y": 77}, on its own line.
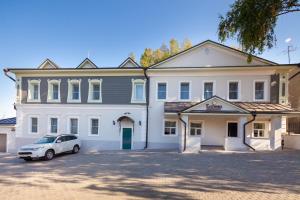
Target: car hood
{"x": 31, "y": 146}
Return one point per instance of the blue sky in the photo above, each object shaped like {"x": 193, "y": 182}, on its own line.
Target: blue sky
{"x": 66, "y": 30}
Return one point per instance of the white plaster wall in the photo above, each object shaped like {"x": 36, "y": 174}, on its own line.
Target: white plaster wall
{"x": 109, "y": 133}
{"x": 10, "y": 137}
{"x": 292, "y": 141}
{"x": 209, "y": 55}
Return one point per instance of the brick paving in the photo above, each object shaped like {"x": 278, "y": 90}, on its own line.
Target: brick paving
{"x": 153, "y": 175}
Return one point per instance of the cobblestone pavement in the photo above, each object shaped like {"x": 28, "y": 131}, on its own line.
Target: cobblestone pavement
{"x": 153, "y": 175}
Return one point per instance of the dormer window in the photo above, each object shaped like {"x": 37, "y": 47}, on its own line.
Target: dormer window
{"x": 138, "y": 91}
{"x": 54, "y": 90}
{"x": 33, "y": 91}
{"x": 95, "y": 91}
{"x": 74, "y": 95}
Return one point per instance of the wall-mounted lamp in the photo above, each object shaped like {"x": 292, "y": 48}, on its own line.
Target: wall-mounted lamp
{"x": 140, "y": 123}
{"x": 114, "y": 123}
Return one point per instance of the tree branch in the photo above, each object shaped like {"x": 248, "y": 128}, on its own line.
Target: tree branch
{"x": 287, "y": 11}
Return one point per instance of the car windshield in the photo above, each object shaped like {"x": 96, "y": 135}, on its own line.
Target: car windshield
{"x": 45, "y": 140}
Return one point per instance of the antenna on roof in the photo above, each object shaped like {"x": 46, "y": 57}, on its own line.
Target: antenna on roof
{"x": 290, "y": 48}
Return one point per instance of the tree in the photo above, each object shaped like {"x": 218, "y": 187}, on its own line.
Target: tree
{"x": 186, "y": 44}
{"x": 147, "y": 58}
{"x": 252, "y": 22}
{"x": 165, "y": 50}
{"x": 174, "y": 47}
{"x": 132, "y": 56}
{"x": 158, "y": 55}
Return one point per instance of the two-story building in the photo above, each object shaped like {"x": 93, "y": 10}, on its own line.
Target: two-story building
{"x": 207, "y": 95}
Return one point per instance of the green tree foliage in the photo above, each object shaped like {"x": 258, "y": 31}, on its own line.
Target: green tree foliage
{"x": 186, "y": 44}
{"x": 174, "y": 47}
{"x": 252, "y": 23}
{"x": 132, "y": 56}
{"x": 150, "y": 57}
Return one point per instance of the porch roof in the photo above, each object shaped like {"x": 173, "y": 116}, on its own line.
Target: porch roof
{"x": 248, "y": 107}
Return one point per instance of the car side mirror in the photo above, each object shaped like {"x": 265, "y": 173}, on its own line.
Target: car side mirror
{"x": 58, "y": 141}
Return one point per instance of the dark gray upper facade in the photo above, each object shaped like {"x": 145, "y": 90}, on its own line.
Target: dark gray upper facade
{"x": 115, "y": 89}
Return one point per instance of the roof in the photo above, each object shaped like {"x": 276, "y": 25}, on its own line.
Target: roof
{"x": 87, "y": 60}
{"x": 258, "y": 107}
{"x": 8, "y": 121}
{"x": 214, "y": 43}
{"x": 50, "y": 62}
{"x": 129, "y": 59}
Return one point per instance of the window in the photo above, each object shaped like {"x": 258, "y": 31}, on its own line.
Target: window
{"x": 138, "y": 93}
{"x": 259, "y": 90}
{"x": 233, "y": 90}
{"x": 161, "y": 91}
{"x": 184, "y": 91}
{"x": 74, "y": 91}
{"x": 34, "y": 124}
{"x": 259, "y": 130}
{"x": 33, "y": 91}
{"x": 74, "y": 126}
{"x": 170, "y": 127}
{"x": 195, "y": 128}
{"x": 208, "y": 90}
{"x": 95, "y": 91}
{"x": 232, "y": 129}
{"x": 54, "y": 90}
{"x": 53, "y": 125}
{"x": 94, "y": 126}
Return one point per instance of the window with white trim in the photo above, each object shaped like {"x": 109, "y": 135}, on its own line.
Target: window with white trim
{"x": 208, "y": 90}
{"x": 74, "y": 94}
{"x": 138, "y": 91}
{"x": 74, "y": 126}
{"x": 259, "y": 129}
{"x": 54, "y": 90}
{"x": 185, "y": 91}
{"x": 34, "y": 124}
{"x": 233, "y": 90}
{"x": 94, "y": 126}
{"x": 33, "y": 91}
{"x": 170, "y": 127}
{"x": 259, "y": 90}
{"x": 195, "y": 128}
{"x": 161, "y": 91}
{"x": 95, "y": 94}
{"x": 53, "y": 125}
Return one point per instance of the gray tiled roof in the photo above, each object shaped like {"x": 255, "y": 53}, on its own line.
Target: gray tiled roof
{"x": 8, "y": 121}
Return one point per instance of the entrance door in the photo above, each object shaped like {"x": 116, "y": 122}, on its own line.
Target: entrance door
{"x": 127, "y": 134}
{"x": 232, "y": 129}
{"x": 2, "y": 142}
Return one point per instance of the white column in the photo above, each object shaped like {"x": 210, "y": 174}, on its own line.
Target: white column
{"x": 275, "y": 133}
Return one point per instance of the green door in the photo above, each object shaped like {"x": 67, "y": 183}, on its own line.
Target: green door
{"x": 127, "y": 132}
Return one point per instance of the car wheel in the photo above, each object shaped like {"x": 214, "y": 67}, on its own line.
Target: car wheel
{"x": 75, "y": 149}
{"x": 27, "y": 159}
{"x": 49, "y": 155}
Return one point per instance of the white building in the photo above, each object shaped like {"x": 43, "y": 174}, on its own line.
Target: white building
{"x": 207, "y": 95}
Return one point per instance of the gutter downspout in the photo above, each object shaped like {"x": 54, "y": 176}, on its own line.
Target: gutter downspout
{"x": 147, "y": 105}
{"x": 184, "y": 123}
{"x": 244, "y": 130}
{"x": 6, "y": 71}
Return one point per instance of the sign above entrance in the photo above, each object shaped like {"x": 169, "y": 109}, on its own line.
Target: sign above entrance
{"x": 213, "y": 107}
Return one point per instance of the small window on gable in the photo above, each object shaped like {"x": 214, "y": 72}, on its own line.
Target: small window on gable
{"x": 33, "y": 91}
{"x": 138, "y": 91}
{"x": 74, "y": 93}
{"x": 54, "y": 90}
{"x": 95, "y": 91}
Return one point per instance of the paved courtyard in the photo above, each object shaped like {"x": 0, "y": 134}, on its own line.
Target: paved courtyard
{"x": 153, "y": 175}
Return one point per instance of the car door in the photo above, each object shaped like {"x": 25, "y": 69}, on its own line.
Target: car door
{"x": 59, "y": 146}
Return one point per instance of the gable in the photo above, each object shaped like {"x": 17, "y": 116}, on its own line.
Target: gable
{"x": 48, "y": 64}
{"x": 87, "y": 64}
{"x": 208, "y": 54}
{"x": 128, "y": 63}
{"x": 215, "y": 104}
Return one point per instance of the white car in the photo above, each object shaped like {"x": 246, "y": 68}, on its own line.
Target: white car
{"x": 48, "y": 146}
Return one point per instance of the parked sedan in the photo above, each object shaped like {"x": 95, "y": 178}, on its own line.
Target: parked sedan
{"x": 47, "y": 147}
